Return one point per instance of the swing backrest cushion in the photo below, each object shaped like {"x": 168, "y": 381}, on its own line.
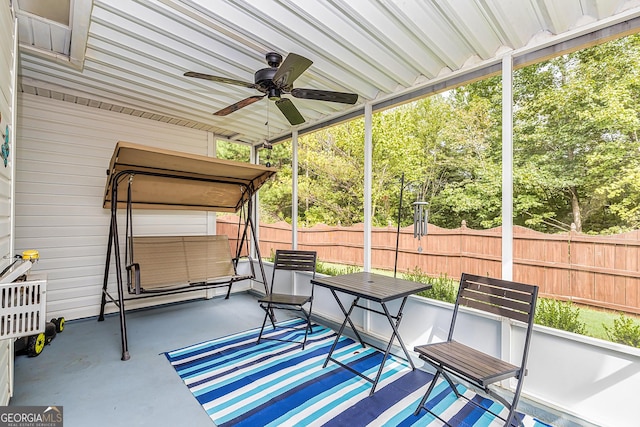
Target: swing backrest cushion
{"x": 167, "y": 261}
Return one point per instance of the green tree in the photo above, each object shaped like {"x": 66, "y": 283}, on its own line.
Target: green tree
{"x": 472, "y": 189}
{"x": 276, "y": 194}
{"x": 407, "y": 141}
{"x": 331, "y": 164}
{"x": 576, "y": 120}
{"x": 233, "y": 151}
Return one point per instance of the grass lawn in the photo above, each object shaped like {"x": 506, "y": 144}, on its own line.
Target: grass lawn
{"x": 594, "y": 320}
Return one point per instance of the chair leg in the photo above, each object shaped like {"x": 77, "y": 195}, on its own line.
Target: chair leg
{"x": 272, "y": 317}
{"x": 264, "y": 323}
{"x": 512, "y": 407}
{"x": 268, "y": 309}
{"x": 514, "y": 404}
{"x": 511, "y": 418}
{"x": 426, "y": 395}
{"x": 451, "y": 384}
{"x": 307, "y": 328}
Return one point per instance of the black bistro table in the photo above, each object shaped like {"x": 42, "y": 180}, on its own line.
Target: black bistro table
{"x": 377, "y": 288}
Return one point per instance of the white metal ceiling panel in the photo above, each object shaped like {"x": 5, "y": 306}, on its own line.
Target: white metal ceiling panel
{"x": 473, "y": 26}
{"x": 558, "y": 15}
{"x": 599, "y": 9}
{"x": 138, "y": 50}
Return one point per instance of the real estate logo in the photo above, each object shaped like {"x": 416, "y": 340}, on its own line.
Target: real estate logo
{"x": 31, "y": 416}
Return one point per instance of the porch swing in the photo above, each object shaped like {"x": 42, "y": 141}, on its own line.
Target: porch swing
{"x": 166, "y": 265}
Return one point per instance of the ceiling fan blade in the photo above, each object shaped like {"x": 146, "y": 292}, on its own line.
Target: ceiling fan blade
{"x": 325, "y": 95}
{"x": 220, "y": 79}
{"x": 290, "y": 111}
{"x": 238, "y": 105}
{"x": 292, "y": 67}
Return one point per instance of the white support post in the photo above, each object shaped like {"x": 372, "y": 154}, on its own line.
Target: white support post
{"x": 294, "y": 189}
{"x": 211, "y": 152}
{"x": 12, "y": 156}
{"x": 507, "y": 168}
{"x": 368, "y": 174}
{"x": 507, "y": 194}
{"x": 294, "y": 200}
{"x": 368, "y": 171}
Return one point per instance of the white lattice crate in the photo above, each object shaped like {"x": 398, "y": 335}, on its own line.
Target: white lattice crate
{"x": 23, "y": 308}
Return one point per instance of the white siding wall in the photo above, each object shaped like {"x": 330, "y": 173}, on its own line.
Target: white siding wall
{"x": 7, "y": 96}
{"x": 62, "y": 157}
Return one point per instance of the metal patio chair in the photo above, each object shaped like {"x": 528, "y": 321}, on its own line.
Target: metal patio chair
{"x": 291, "y": 260}
{"x": 508, "y": 299}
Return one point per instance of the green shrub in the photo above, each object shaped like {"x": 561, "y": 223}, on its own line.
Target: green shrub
{"x": 442, "y": 288}
{"x": 624, "y": 331}
{"x": 560, "y": 315}
{"x": 335, "y": 271}
{"x": 271, "y": 257}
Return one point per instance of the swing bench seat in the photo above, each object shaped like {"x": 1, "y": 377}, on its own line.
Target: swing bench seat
{"x": 172, "y": 263}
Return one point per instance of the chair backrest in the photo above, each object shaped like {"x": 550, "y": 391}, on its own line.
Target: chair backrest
{"x": 294, "y": 260}
{"x": 502, "y": 297}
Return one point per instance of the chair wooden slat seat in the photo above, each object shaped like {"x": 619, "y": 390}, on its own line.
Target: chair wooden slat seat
{"x": 468, "y": 362}
{"x": 285, "y": 299}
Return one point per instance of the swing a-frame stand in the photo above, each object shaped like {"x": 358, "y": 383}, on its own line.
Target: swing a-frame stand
{"x": 168, "y": 265}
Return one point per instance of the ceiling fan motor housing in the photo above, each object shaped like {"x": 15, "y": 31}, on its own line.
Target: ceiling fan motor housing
{"x": 264, "y": 80}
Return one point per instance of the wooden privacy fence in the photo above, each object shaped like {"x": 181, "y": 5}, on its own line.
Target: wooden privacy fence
{"x": 601, "y": 271}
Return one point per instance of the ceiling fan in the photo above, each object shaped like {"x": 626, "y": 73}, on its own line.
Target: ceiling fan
{"x": 275, "y": 81}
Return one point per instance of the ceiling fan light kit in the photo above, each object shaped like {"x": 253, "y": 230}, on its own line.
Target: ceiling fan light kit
{"x": 275, "y": 81}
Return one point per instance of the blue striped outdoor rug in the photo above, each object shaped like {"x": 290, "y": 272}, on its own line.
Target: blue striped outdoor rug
{"x": 239, "y": 382}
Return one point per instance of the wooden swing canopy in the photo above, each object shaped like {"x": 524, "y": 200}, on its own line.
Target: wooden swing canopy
{"x": 166, "y": 179}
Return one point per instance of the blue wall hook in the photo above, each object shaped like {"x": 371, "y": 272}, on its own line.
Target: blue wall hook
{"x": 5, "y": 147}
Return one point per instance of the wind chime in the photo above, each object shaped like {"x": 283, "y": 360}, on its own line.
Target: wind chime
{"x": 420, "y": 221}
{"x": 267, "y": 146}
